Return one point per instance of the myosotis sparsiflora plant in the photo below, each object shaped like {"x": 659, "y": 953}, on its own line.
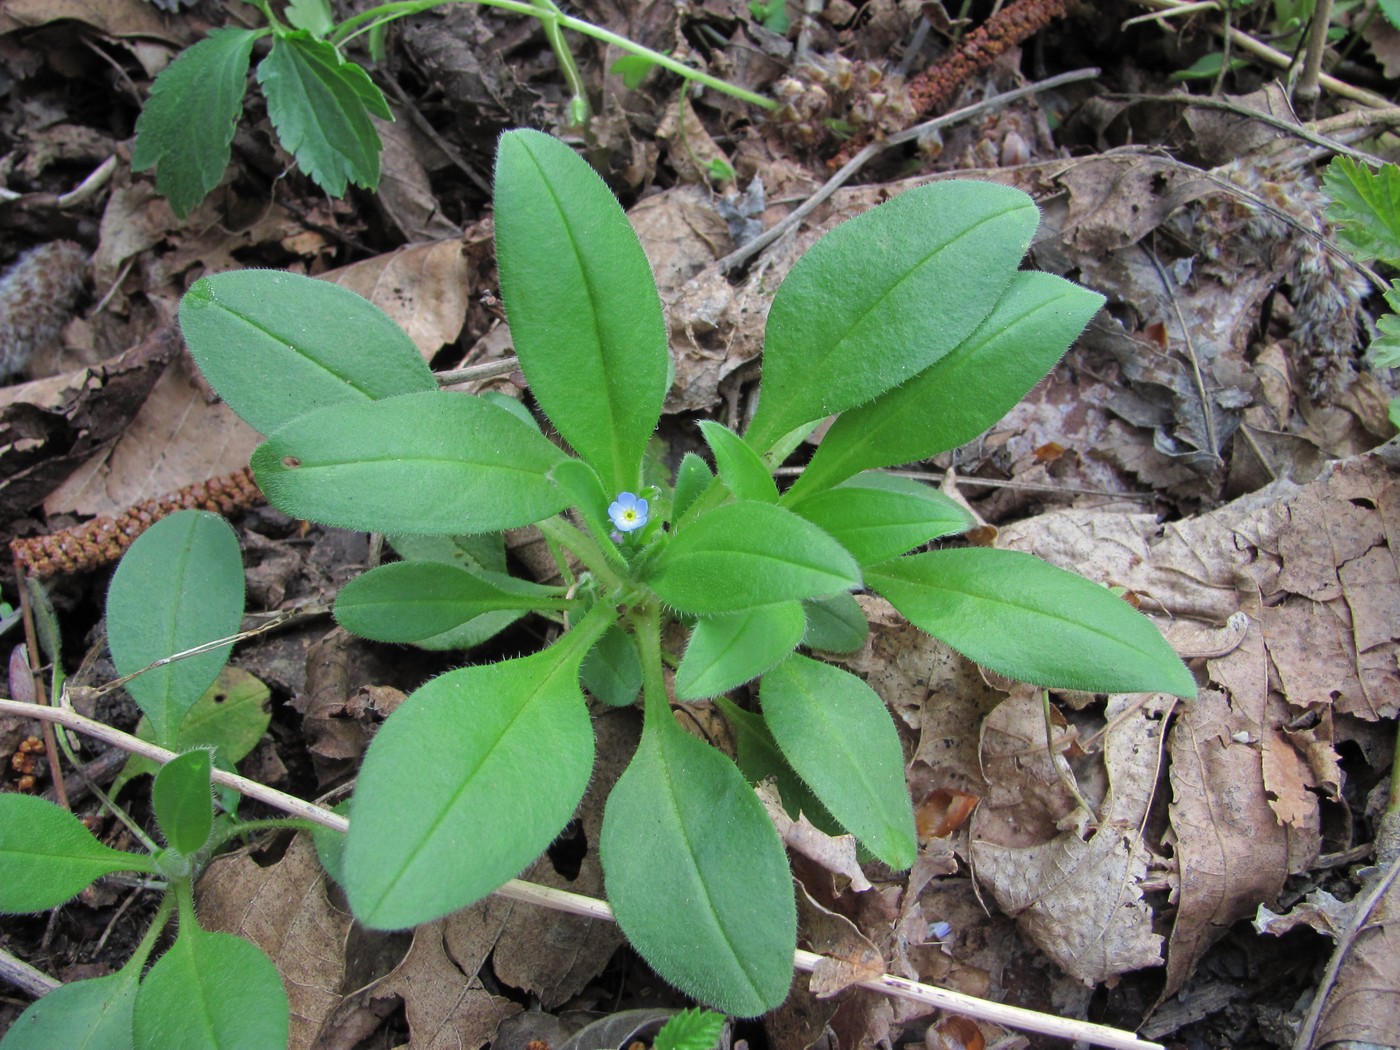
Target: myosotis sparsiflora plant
{"x": 911, "y": 324}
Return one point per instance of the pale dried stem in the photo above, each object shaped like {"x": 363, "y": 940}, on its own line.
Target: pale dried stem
{"x": 590, "y": 908}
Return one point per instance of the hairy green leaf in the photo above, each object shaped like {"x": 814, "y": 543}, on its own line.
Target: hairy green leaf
{"x": 739, "y": 466}
{"x": 696, "y": 874}
{"x": 485, "y": 550}
{"x": 759, "y": 759}
{"x": 432, "y": 463}
{"x": 183, "y": 801}
{"x": 962, "y": 394}
{"x": 407, "y": 601}
{"x": 836, "y": 624}
{"x": 883, "y": 296}
{"x": 583, "y": 308}
{"x": 692, "y": 1029}
{"x": 278, "y": 345}
{"x": 1366, "y": 208}
{"x": 744, "y": 554}
{"x": 501, "y": 753}
{"x": 612, "y": 670}
{"x": 180, "y": 585}
{"x": 187, "y": 125}
{"x": 693, "y": 476}
{"x": 47, "y": 856}
{"x": 212, "y": 990}
{"x": 1028, "y": 620}
{"x": 726, "y": 651}
{"x": 835, "y": 731}
{"x": 94, "y": 1014}
{"x": 879, "y": 516}
{"x": 320, "y": 105}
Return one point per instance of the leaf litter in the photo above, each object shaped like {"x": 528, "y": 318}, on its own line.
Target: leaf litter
{"x": 1202, "y": 448}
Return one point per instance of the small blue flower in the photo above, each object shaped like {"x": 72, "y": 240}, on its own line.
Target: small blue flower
{"x": 628, "y": 512}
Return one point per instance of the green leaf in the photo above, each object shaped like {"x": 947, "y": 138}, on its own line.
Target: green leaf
{"x": 183, "y": 801}
{"x": 47, "y": 856}
{"x": 325, "y": 344}
{"x": 485, "y": 550}
{"x": 744, "y": 554}
{"x": 883, "y": 296}
{"x": 501, "y": 753}
{"x": 739, "y": 466}
{"x": 1207, "y": 67}
{"x": 879, "y": 516}
{"x": 330, "y": 845}
{"x": 836, "y": 624}
{"x": 583, "y": 308}
{"x": 187, "y": 125}
{"x": 835, "y": 731}
{"x": 1384, "y": 350}
{"x": 692, "y": 1029}
{"x": 1028, "y": 620}
{"x": 1366, "y": 207}
{"x": 438, "y": 462}
{"x": 961, "y": 395}
{"x": 94, "y": 1014}
{"x": 612, "y": 670}
{"x": 407, "y": 601}
{"x": 230, "y": 718}
{"x": 180, "y": 585}
{"x": 726, "y": 651}
{"x": 1391, "y": 10}
{"x": 696, "y": 875}
{"x": 693, "y": 476}
{"x": 212, "y": 990}
{"x": 314, "y": 16}
{"x": 320, "y": 105}
{"x": 759, "y": 759}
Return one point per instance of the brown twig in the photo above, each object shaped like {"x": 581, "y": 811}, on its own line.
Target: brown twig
{"x": 103, "y": 539}
{"x": 934, "y": 88}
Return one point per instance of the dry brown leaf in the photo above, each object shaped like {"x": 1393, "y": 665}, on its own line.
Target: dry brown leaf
{"x": 425, "y": 288}
{"x": 404, "y": 191}
{"x": 118, "y": 18}
{"x": 836, "y": 854}
{"x": 848, "y": 956}
{"x": 283, "y": 909}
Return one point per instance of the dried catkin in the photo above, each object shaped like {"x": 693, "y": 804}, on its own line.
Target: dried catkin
{"x": 37, "y": 297}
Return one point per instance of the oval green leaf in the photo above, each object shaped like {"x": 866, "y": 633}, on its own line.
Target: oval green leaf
{"x": 408, "y": 601}
{"x": 744, "y": 554}
{"x": 758, "y": 758}
{"x": 83, "y": 1015}
{"x": 180, "y": 585}
{"x": 584, "y": 313}
{"x": 696, "y": 874}
{"x": 47, "y": 856}
{"x": 1015, "y": 614}
{"x": 836, "y": 624}
{"x": 883, "y": 296}
{"x": 612, "y": 670}
{"x": 183, "y": 801}
{"x": 962, "y": 394}
{"x": 838, "y": 736}
{"x": 438, "y": 462}
{"x": 693, "y": 476}
{"x": 739, "y": 466}
{"x": 324, "y": 344}
{"x": 726, "y": 651}
{"x": 212, "y": 990}
{"x": 501, "y": 753}
{"x": 878, "y": 516}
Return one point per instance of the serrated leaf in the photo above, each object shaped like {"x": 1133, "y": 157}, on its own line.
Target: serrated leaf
{"x": 883, "y": 296}
{"x": 277, "y": 345}
{"x": 838, "y": 736}
{"x": 211, "y": 990}
{"x": 183, "y": 801}
{"x": 187, "y": 125}
{"x": 180, "y": 585}
{"x": 502, "y": 754}
{"x": 320, "y": 105}
{"x": 1023, "y": 618}
{"x": 739, "y": 466}
{"x": 692, "y": 1029}
{"x": 438, "y": 462}
{"x": 584, "y": 313}
{"x": 47, "y": 856}
{"x": 1384, "y": 350}
{"x": 879, "y": 516}
{"x": 1366, "y": 207}
{"x": 612, "y": 670}
{"x": 744, "y": 554}
{"x": 407, "y": 601}
{"x": 230, "y": 718}
{"x": 726, "y": 651}
{"x": 696, "y": 874}
{"x": 94, "y": 1014}
{"x": 961, "y": 395}
{"x": 836, "y": 624}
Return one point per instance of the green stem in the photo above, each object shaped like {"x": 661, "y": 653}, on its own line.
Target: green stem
{"x": 559, "y": 531}
{"x": 646, "y": 626}
{"x": 549, "y": 14}
{"x": 148, "y": 942}
{"x": 250, "y": 827}
{"x": 1393, "y": 803}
